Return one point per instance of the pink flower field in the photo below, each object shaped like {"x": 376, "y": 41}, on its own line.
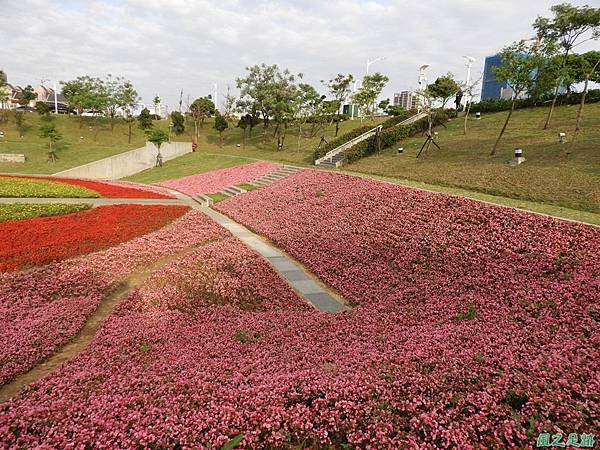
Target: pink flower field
{"x": 42, "y": 308}
{"x": 473, "y": 327}
{"x": 211, "y": 182}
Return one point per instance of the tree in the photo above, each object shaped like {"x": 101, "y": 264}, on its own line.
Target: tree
{"x": 468, "y": 92}
{"x": 308, "y": 105}
{"x": 443, "y": 88}
{"x": 339, "y": 88}
{"x": 118, "y": 93}
{"x": 268, "y": 91}
{"x": 519, "y": 60}
{"x": 156, "y": 102}
{"x": 220, "y": 125}
{"x": 20, "y": 123}
{"x": 200, "y": 109}
{"x": 42, "y": 109}
{"x": 383, "y": 105}
{"x": 229, "y": 105}
{"x": 367, "y": 95}
{"x": 26, "y": 95}
{"x": 178, "y": 121}
{"x": 570, "y": 26}
{"x": 128, "y": 99}
{"x": 3, "y": 89}
{"x": 85, "y": 93}
{"x": 145, "y": 119}
{"x": 592, "y": 74}
{"x": 49, "y": 131}
{"x": 395, "y": 110}
{"x": 158, "y": 137}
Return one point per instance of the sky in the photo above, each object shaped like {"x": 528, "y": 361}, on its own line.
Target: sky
{"x": 164, "y": 46}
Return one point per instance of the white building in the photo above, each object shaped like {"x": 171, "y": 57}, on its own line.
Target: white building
{"x": 406, "y": 99}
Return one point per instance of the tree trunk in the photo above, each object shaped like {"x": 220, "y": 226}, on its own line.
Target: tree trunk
{"x": 129, "y": 133}
{"x": 549, "y": 116}
{"x": 337, "y": 126}
{"x": 581, "y": 105}
{"x": 512, "y": 108}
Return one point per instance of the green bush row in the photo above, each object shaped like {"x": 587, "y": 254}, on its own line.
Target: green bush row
{"x": 388, "y": 137}
{"x": 499, "y": 104}
{"x": 392, "y": 121}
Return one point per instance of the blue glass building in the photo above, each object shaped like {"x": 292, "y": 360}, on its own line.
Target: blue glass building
{"x": 490, "y": 87}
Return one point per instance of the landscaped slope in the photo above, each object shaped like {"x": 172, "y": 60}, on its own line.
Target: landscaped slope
{"x": 548, "y": 175}
{"x": 211, "y": 182}
{"x": 42, "y": 308}
{"x": 474, "y": 327}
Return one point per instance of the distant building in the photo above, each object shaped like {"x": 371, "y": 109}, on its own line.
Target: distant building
{"x": 406, "y": 100}
{"x": 491, "y": 87}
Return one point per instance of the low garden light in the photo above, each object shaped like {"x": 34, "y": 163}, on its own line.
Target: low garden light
{"x": 478, "y": 115}
{"x": 562, "y": 138}
{"x": 518, "y": 158}
{"x": 400, "y": 151}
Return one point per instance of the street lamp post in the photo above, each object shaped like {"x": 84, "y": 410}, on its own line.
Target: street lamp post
{"x": 470, "y": 60}
{"x": 216, "y": 98}
{"x": 422, "y": 84}
{"x": 369, "y": 62}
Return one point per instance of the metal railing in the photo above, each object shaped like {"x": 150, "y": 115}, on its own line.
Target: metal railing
{"x": 348, "y": 144}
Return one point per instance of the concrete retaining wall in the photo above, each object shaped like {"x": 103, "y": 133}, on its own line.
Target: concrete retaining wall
{"x": 128, "y": 163}
{"x": 12, "y": 157}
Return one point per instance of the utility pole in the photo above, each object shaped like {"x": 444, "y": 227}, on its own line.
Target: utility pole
{"x": 216, "y": 98}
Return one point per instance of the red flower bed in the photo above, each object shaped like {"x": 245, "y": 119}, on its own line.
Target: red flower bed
{"x": 45, "y": 239}
{"x": 111, "y": 190}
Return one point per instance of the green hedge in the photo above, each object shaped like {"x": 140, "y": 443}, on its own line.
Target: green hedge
{"x": 498, "y": 104}
{"x": 392, "y": 121}
{"x": 388, "y": 136}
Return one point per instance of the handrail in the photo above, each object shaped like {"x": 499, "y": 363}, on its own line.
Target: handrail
{"x": 333, "y": 152}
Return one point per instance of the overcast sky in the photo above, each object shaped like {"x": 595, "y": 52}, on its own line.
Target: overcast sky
{"x": 164, "y": 46}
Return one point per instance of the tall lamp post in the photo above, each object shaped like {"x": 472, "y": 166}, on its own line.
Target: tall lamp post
{"x": 216, "y": 98}
{"x": 470, "y": 60}
{"x": 369, "y": 62}
{"x": 422, "y": 84}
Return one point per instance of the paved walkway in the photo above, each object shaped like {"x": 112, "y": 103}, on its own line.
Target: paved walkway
{"x": 305, "y": 284}
{"x": 92, "y": 201}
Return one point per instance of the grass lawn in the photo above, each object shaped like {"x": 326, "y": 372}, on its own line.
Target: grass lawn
{"x": 98, "y": 142}
{"x": 189, "y": 164}
{"x": 22, "y": 211}
{"x": 247, "y": 186}
{"x": 17, "y": 187}
{"x": 463, "y": 162}
{"x": 217, "y": 196}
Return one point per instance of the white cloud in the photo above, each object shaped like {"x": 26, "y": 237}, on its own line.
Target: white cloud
{"x": 166, "y": 45}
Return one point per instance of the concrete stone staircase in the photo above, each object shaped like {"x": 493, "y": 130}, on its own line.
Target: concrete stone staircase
{"x": 335, "y": 157}
{"x": 275, "y": 175}
{"x": 231, "y": 191}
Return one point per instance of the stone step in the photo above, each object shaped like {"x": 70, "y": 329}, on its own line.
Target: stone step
{"x": 204, "y": 200}
{"x": 294, "y": 168}
{"x": 230, "y": 190}
{"x": 259, "y": 182}
{"x": 276, "y": 175}
{"x": 237, "y": 189}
